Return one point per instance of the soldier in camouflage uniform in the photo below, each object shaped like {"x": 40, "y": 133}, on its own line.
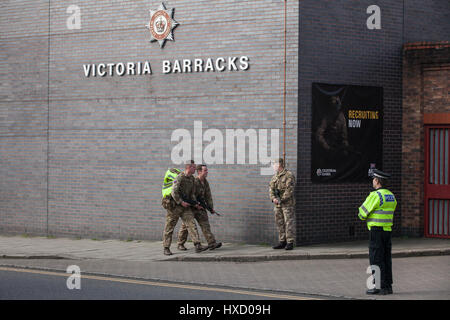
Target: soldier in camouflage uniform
{"x": 183, "y": 188}
{"x": 282, "y": 195}
{"x": 202, "y": 191}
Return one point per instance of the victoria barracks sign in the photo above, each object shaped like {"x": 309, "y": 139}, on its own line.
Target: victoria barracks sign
{"x": 161, "y": 25}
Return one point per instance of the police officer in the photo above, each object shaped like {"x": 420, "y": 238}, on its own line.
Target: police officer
{"x": 282, "y": 195}
{"x": 378, "y": 212}
{"x": 183, "y": 189}
{"x": 202, "y": 191}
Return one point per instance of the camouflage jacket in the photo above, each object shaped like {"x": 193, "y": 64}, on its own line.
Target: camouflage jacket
{"x": 203, "y": 191}
{"x": 183, "y": 187}
{"x": 284, "y": 182}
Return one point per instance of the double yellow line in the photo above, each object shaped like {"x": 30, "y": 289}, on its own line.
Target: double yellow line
{"x": 163, "y": 284}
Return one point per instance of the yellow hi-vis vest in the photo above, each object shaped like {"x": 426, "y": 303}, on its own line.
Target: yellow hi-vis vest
{"x": 378, "y": 209}
{"x": 169, "y": 178}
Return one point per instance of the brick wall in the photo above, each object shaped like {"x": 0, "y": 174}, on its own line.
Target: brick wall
{"x": 426, "y": 83}
{"x": 86, "y": 156}
{"x": 23, "y": 116}
{"x": 337, "y": 47}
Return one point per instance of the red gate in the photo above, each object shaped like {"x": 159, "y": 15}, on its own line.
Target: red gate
{"x": 437, "y": 181}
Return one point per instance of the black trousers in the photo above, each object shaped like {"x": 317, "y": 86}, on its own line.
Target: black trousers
{"x": 380, "y": 248}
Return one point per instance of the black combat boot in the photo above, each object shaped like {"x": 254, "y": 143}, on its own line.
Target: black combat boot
{"x": 167, "y": 252}
{"x": 199, "y": 248}
{"x": 181, "y": 247}
{"x": 289, "y": 246}
{"x": 215, "y": 245}
{"x": 373, "y": 291}
{"x": 281, "y": 245}
{"x": 384, "y": 291}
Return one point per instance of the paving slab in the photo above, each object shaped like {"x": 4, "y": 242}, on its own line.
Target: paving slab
{"x": 22, "y": 247}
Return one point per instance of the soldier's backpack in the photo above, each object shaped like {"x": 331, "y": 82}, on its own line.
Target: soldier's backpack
{"x": 169, "y": 178}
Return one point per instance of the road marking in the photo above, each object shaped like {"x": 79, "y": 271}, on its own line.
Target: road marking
{"x": 163, "y": 284}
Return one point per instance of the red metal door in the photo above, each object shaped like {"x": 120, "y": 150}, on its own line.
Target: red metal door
{"x": 437, "y": 181}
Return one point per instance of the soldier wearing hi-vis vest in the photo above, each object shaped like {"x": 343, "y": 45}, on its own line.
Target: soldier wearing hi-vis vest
{"x": 378, "y": 212}
{"x": 178, "y": 205}
{"x": 281, "y": 193}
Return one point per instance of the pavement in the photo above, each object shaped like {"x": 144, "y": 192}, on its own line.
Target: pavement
{"x": 29, "y": 247}
{"x": 334, "y": 270}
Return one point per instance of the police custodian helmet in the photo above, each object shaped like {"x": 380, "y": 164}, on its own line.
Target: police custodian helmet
{"x": 375, "y": 173}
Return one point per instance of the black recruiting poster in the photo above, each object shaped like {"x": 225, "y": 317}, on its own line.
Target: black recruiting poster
{"x": 347, "y": 132}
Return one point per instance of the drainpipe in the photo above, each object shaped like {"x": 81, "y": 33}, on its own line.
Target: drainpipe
{"x": 284, "y": 85}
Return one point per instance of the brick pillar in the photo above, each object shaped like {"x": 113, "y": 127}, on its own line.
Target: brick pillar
{"x": 423, "y": 67}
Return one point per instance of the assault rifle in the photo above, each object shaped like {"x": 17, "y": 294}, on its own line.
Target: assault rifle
{"x": 187, "y": 200}
{"x": 205, "y": 206}
{"x": 201, "y": 203}
{"x": 278, "y": 195}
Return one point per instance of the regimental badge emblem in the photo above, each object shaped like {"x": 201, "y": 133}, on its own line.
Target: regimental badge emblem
{"x": 161, "y": 24}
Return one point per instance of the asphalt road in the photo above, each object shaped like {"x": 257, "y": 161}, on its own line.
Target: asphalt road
{"x": 423, "y": 278}
{"x": 23, "y": 284}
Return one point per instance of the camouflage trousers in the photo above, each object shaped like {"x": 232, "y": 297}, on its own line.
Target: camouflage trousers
{"x": 202, "y": 218}
{"x": 187, "y": 216}
{"x": 284, "y": 218}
